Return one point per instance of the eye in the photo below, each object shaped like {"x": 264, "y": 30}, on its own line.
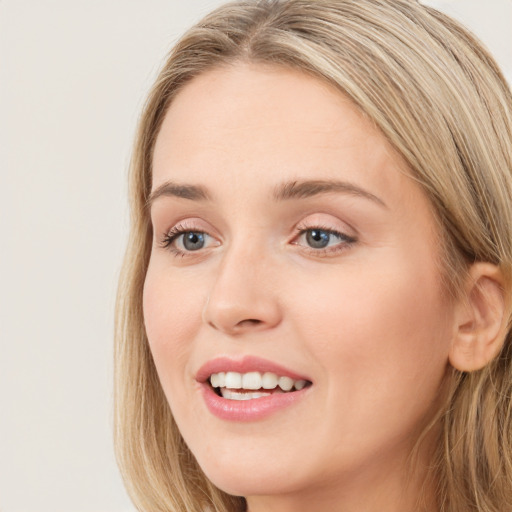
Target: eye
{"x": 192, "y": 240}
{"x": 322, "y": 240}
{"x": 318, "y": 238}
{"x": 182, "y": 240}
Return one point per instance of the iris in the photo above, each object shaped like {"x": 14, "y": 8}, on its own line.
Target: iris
{"x": 318, "y": 238}
{"x": 193, "y": 240}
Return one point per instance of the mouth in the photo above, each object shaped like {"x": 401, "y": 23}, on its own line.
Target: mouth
{"x": 250, "y": 388}
{"x": 253, "y": 385}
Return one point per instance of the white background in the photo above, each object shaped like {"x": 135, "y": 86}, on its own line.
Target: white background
{"x": 73, "y": 77}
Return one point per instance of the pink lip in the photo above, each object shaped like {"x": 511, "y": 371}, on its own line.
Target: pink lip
{"x": 247, "y": 410}
{"x": 244, "y": 365}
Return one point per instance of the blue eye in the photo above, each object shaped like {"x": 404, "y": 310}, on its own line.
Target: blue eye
{"x": 193, "y": 240}
{"x": 181, "y": 240}
{"x": 321, "y": 240}
{"x": 318, "y": 238}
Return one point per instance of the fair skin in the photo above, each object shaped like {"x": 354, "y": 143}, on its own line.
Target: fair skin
{"x": 365, "y": 318}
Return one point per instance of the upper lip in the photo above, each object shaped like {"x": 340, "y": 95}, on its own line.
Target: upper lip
{"x": 245, "y": 365}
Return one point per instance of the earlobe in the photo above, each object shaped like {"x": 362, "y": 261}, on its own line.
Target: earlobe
{"x": 481, "y": 319}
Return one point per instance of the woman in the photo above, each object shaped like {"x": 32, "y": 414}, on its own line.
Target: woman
{"x": 315, "y": 307}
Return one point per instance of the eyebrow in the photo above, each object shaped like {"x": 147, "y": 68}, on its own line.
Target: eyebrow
{"x": 310, "y": 188}
{"x": 170, "y": 189}
{"x": 283, "y": 192}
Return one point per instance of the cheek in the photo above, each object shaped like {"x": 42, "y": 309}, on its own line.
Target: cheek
{"x": 392, "y": 301}
{"x": 382, "y": 338}
{"x": 172, "y": 313}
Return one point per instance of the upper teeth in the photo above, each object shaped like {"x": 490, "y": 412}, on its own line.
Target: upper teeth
{"x": 254, "y": 380}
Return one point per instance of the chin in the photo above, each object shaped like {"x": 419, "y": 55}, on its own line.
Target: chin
{"x": 247, "y": 485}
{"x": 242, "y": 480}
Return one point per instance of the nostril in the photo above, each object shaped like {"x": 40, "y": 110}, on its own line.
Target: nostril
{"x": 248, "y": 322}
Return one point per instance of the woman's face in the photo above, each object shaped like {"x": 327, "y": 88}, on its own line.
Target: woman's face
{"x": 290, "y": 241}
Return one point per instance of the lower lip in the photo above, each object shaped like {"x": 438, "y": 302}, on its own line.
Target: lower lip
{"x": 249, "y": 410}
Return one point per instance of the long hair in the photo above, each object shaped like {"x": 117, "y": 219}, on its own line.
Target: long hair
{"x": 440, "y": 99}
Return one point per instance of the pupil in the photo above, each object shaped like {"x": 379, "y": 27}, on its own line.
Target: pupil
{"x": 317, "y": 238}
{"x": 193, "y": 241}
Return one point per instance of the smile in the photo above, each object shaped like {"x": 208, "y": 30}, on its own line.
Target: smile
{"x": 253, "y": 385}
{"x": 249, "y": 389}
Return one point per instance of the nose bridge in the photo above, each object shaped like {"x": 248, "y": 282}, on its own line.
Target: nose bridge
{"x": 242, "y": 297}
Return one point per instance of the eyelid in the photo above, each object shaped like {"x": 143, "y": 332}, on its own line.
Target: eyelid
{"x": 327, "y": 222}
{"x": 190, "y": 224}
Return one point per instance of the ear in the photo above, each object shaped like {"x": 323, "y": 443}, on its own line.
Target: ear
{"x": 481, "y": 319}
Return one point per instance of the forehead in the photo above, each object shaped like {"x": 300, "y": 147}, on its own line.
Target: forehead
{"x": 264, "y": 123}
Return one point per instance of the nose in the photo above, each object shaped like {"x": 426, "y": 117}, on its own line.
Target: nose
{"x": 244, "y": 295}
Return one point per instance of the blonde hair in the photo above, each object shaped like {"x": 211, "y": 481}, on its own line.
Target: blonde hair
{"x": 440, "y": 99}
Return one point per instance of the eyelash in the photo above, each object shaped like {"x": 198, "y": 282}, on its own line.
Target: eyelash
{"x": 173, "y": 234}
{"x": 346, "y": 241}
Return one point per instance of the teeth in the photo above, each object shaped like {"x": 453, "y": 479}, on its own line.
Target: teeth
{"x": 299, "y": 384}
{"x": 285, "y": 383}
{"x": 233, "y": 380}
{"x": 218, "y": 380}
{"x": 238, "y": 395}
{"x": 269, "y": 380}
{"x": 253, "y": 381}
